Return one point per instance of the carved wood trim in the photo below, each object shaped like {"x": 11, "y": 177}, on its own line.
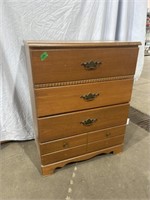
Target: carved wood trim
{"x": 43, "y": 85}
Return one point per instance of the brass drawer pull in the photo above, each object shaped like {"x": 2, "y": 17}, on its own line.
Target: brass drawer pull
{"x": 91, "y": 65}
{"x": 65, "y": 145}
{"x": 88, "y": 122}
{"x": 90, "y": 96}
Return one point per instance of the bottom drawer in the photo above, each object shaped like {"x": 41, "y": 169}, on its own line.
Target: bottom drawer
{"x": 62, "y": 155}
{"x": 101, "y": 144}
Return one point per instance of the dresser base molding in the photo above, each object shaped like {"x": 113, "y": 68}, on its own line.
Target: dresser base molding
{"x": 49, "y": 169}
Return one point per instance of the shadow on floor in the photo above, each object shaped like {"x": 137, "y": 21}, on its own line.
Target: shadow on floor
{"x": 30, "y": 150}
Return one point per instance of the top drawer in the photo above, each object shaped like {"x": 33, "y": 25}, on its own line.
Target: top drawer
{"x": 57, "y": 65}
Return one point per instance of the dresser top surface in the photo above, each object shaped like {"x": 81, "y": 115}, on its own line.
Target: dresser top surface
{"x": 43, "y": 44}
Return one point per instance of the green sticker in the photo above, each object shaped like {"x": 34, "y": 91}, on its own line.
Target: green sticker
{"x": 44, "y": 56}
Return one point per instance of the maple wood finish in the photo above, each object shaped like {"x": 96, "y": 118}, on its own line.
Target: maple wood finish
{"x": 68, "y": 64}
{"x": 80, "y": 96}
{"x": 63, "y": 144}
{"x": 102, "y": 144}
{"x": 50, "y": 100}
{"x": 62, "y": 155}
{"x": 65, "y": 125}
{"x": 49, "y": 169}
{"x": 85, "y": 138}
{"x": 105, "y": 133}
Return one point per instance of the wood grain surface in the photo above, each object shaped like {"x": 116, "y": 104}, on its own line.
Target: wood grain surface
{"x": 106, "y": 133}
{"x": 43, "y": 44}
{"x": 63, "y": 144}
{"x": 102, "y": 144}
{"x": 65, "y": 125}
{"x": 56, "y": 100}
{"x": 62, "y": 155}
{"x": 66, "y": 64}
{"x": 49, "y": 168}
{"x": 70, "y": 142}
{"x": 82, "y": 92}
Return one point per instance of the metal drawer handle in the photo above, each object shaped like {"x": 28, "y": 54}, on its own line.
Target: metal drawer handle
{"x": 88, "y": 122}
{"x": 65, "y": 145}
{"x": 90, "y": 96}
{"x": 91, "y": 65}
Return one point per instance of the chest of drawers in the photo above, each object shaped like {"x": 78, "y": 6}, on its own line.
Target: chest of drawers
{"x": 80, "y": 96}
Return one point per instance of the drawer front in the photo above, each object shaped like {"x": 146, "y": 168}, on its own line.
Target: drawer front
{"x": 101, "y": 144}
{"x": 80, "y": 64}
{"x": 62, "y": 155}
{"x": 61, "y": 126}
{"x": 63, "y": 144}
{"x": 106, "y": 133}
{"x": 55, "y": 100}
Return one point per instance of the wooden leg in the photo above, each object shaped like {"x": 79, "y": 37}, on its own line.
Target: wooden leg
{"x": 118, "y": 150}
{"x": 47, "y": 171}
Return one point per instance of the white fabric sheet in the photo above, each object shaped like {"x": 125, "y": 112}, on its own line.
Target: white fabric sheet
{"x": 55, "y": 20}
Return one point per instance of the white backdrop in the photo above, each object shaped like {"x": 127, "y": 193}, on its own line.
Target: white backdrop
{"x": 55, "y": 20}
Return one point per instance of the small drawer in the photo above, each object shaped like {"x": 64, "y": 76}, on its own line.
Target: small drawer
{"x": 101, "y": 144}
{"x": 106, "y": 133}
{"x": 63, "y": 144}
{"x": 65, "y": 125}
{"x": 60, "y": 65}
{"x": 62, "y": 155}
{"x": 56, "y": 100}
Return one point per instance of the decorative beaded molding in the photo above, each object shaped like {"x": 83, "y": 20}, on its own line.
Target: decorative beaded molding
{"x": 43, "y": 85}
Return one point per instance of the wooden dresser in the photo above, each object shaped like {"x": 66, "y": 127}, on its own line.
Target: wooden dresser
{"x": 80, "y": 96}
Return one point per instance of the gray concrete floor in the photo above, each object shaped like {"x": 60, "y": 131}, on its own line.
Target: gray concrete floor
{"x": 107, "y": 177}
